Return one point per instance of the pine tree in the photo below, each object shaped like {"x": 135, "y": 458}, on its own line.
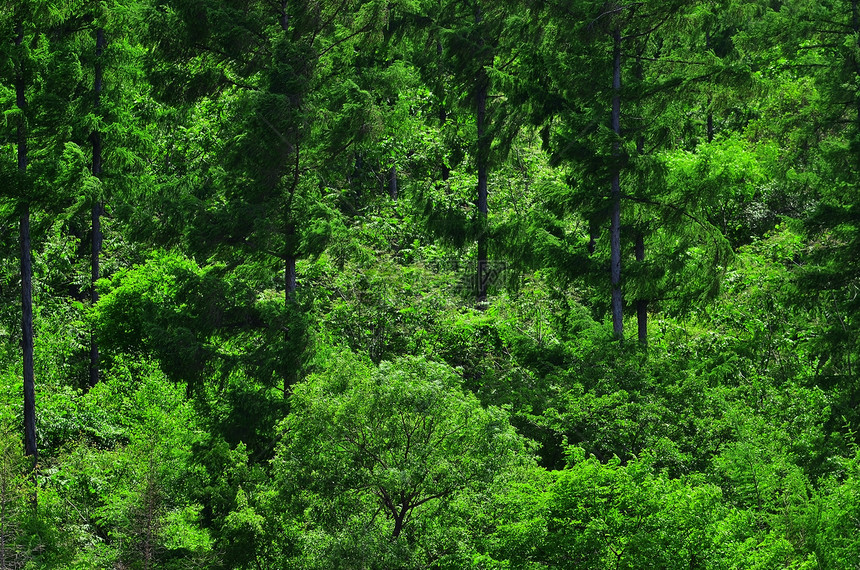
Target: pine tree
{"x": 608, "y": 133}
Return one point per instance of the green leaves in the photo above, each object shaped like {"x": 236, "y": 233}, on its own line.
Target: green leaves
{"x": 396, "y": 450}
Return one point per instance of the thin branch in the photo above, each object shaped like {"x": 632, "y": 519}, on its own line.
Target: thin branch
{"x": 361, "y": 30}
{"x": 617, "y": 10}
{"x": 649, "y": 32}
{"x": 328, "y": 22}
{"x": 678, "y": 209}
{"x": 687, "y": 62}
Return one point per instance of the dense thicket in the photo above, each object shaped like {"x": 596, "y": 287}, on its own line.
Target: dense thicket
{"x": 351, "y": 284}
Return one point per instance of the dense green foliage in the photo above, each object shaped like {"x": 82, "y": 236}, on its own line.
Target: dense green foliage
{"x": 370, "y": 271}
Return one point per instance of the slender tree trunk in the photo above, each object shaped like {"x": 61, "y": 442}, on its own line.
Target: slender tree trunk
{"x": 290, "y": 266}
{"x": 641, "y": 304}
{"x": 710, "y": 123}
{"x": 26, "y": 272}
{"x": 615, "y": 225}
{"x": 290, "y": 374}
{"x": 289, "y": 226}
{"x": 483, "y": 159}
{"x": 443, "y": 115}
{"x": 98, "y": 206}
{"x": 483, "y": 206}
{"x": 291, "y": 367}
{"x": 284, "y": 19}
{"x": 855, "y": 24}
{"x": 27, "y": 330}
{"x": 392, "y": 182}
{"x": 639, "y": 248}
{"x": 710, "y": 126}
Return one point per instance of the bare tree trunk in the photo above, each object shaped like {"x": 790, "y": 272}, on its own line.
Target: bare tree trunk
{"x": 98, "y": 206}
{"x": 26, "y": 272}
{"x": 855, "y": 25}
{"x": 443, "y": 115}
{"x": 483, "y": 159}
{"x": 615, "y": 225}
{"x": 392, "y": 182}
{"x": 290, "y": 266}
{"x": 639, "y": 248}
{"x": 710, "y": 126}
{"x": 641, "y": 304}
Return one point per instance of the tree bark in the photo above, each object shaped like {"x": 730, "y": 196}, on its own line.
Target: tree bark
{"x": 639, "y": 248}
{"x": 482, "y": 159}
{"x": 98, "y": 205}
{"x": 443, "y": 115}
{"x": 710, "y": 125}
{"x": 615, "y": 194}
{"x": 855, "y": 24}
{"x": 26, "y": 270}
{"x": 641, "y": 304}
{"x": 392, "y": 183}
{"x": 290, "y": 265}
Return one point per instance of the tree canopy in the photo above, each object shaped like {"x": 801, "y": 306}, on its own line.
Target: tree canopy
{"x": 429, "y": 284}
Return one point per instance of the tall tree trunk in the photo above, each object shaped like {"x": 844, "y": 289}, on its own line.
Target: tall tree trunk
{"x": 482, "y": 203}
{"x": 615, "y": 224}
{"x": 291, "y": 366}
{"x": 639, "y": 248}
{"x": 95, "y": 254}
{"x": 855, "y": 25}
{"x": 26, "y": 270}
{"x": 710, "y": 125}
{"x": 290, "y": 265}
{"x": 443, "y": 115}
{"x": 483, "y": 159}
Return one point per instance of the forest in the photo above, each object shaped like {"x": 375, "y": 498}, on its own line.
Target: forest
{"x": 430, "y": 284}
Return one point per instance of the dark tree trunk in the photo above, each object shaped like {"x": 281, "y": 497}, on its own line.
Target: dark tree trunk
{"x": 615, "y": 225}
{"x": 95, "y": 254}
{"x": 641, "y": 304}
{"x": 855, "y": 24}
{"x": 710, "y": 126}
{"x": 639, "y": 248}
{"x": 392, "y": 183}
{"x": 399, "y": 519}
{"x": 290, "y": 265}
{"x": 482, "y": 203}
{"x": 26, "y": 272}
{"x": 27, "y": 330}
{"x": 284, "y": 19}
{"x": 483, "y": 159}
{"x": 443, "y": 115}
